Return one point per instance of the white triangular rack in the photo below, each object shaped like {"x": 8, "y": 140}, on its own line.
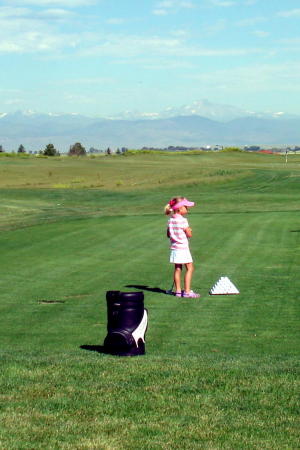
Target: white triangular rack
{"x": 224, "y": 287}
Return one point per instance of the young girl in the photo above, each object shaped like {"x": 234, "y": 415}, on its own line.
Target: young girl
{"x": 179, "y": 232}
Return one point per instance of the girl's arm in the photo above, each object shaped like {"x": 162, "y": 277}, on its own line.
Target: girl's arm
{"x": 188, "y": 232}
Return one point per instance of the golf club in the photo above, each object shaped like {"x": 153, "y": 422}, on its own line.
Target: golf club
{"x": 170, "y": 291}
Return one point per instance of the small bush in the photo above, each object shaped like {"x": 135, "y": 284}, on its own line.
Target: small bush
{"x": 232, "y": 150}
{"x": 61, "y": 186}
{"x": 14, "y": 155}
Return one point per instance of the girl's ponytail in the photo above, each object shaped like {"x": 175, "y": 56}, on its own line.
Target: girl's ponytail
{"x": 169, "y": 207}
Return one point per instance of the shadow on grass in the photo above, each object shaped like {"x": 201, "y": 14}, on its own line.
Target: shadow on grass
{"x": 142, "y": 287}
{"x": 295, "y": 231}
{"x": 94, "y": 348}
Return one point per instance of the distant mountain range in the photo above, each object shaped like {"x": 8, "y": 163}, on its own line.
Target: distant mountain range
{"x": 203, "y": 108}
{"x": 186, "y": 128}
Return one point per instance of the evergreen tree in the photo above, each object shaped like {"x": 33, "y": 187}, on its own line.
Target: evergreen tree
{"x": 50, "y": 150}
{"x": 21, "y": 149}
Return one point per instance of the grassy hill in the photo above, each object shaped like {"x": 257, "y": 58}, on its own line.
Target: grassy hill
{"x": 219, "y": 372}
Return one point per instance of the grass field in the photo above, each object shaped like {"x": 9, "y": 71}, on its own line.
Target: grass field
{"x": 220, "y": 372}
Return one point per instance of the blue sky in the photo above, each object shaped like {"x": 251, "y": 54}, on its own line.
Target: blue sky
{"x": 100, "y": 58}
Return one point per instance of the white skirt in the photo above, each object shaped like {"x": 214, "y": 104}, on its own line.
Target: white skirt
{"x": 181, "y": 256}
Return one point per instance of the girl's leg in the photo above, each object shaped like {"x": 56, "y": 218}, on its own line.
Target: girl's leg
{"x": 177, "y": 277}
{"x": 188, "y": 277}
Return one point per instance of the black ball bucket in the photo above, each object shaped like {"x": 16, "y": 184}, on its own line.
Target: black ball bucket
{"x": 127, "y": 322}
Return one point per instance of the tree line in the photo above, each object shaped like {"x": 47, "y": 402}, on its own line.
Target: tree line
{"x": 76, "y": 149}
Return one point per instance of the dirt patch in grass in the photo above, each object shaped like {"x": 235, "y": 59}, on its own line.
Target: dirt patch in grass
{"x": 49, "y": 302}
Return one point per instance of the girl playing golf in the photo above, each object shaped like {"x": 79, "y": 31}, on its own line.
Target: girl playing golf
{"x": 179, "y": 232}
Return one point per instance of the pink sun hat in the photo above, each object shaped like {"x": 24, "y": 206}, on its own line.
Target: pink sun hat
{"x": 183, "y": 202}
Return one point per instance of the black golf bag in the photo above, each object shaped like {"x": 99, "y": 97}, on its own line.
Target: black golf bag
{"x": 127, "y": 321}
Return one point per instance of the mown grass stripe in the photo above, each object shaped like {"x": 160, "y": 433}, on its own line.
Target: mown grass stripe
{"x": 219, "y": 372}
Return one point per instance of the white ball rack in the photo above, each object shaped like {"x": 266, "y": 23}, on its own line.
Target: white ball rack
{"x": 224, "y": 287}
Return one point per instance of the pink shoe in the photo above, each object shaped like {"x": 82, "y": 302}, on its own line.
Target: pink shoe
{"x": 178, "y": 294}
{"x": 191, "y": 294}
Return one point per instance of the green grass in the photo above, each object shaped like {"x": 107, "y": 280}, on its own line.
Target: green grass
{"x": 219, "y": 372}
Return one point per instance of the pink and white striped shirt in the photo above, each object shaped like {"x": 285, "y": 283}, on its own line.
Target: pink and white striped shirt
{"x": 176, "y": 226}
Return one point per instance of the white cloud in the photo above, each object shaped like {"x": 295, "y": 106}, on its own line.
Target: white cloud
{"x": 130, "y": 46}
{"x": 188, "y": 5}
{"x": 22, "y": 32}
{"x": 55, "y": 3}
{"x": 88, "y": 81}
{"x": 217, "y": 27}
{"x": 86, "y": 99}
{"x": 29, "y": 35}
{"x": 223, "y": 3}
{"x": 294, "y": 40}
{"x": 179, "y": 33}
{"x": 250, "y": 21}
{"x": 25, "y": 34}
{"x": 13, "y": 101}
{"x": 166, "y": 4}
{"x": 160, "y": 12}
{"x": 157, "y": 64}
{"x": 254, "y": 78}
{"x": 261, "y": 34}
{"x": 115, "y": 21}
{"x": 11, "y": 16}
{"x": 7, "y": 12}
{"x": 27, "y": 31}
{"x": 171, "y": 6}
{"x": 33, "y": 41}
{"x": 136, "y": 47}
{"x": 55, "y": 13}
{"x": 289, "y": 13}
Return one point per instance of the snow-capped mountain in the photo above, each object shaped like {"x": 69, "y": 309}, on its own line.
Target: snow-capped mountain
{"x": 175, "y": 126}
{"x": 203, "y": 108}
